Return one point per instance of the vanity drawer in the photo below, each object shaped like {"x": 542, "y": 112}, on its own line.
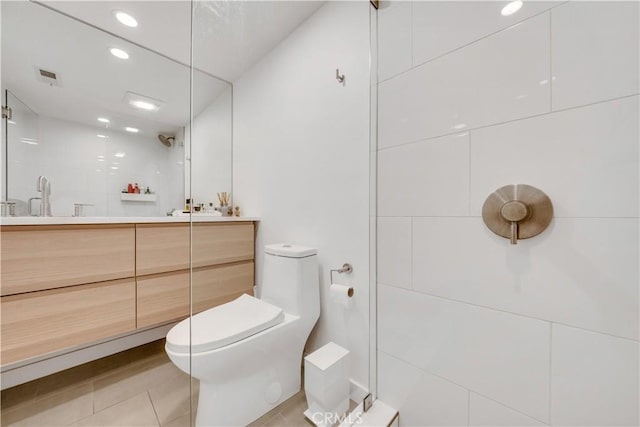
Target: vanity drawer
{"x": 220, "y": 243}
{"x": 40, "y": 322}
{"x": 165, "y": 297}
{"x": 162, "y": 298}
{"x": 216, "y": 285}
{"x": 46, "y": 257}
{"x": 161, "y": 248}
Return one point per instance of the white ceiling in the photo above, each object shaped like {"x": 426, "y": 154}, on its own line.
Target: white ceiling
{"x": 229, "y": 36}
{"x": 93, "y": 82}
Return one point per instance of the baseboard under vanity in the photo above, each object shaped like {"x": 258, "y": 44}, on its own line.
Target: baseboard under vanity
{"x": 38, "y": 367}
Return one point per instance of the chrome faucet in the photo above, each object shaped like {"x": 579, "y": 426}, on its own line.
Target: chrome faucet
{"x": 44, "y": 187}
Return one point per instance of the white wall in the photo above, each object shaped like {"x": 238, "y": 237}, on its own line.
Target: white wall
{"x": 301, "y": 159}
{"x": 209, "y": 148}
{"x": 84, "y": 168}
{"x": 472, "y": 330}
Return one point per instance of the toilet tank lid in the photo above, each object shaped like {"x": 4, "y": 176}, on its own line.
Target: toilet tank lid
{"x": 289, "y": 250}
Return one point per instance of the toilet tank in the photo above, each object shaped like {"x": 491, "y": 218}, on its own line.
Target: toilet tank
{"x": 290, "y": 279}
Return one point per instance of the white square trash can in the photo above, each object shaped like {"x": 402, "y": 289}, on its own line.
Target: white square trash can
{"x": 326, "y": 384}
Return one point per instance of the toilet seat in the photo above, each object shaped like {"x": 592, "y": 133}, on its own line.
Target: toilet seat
{"x": 223, "y": 325}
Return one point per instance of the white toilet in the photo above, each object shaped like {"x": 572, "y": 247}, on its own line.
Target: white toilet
{"x": 247, "y": 353}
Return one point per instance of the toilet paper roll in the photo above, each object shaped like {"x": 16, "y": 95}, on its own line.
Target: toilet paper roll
{"x": 341, "y": 294}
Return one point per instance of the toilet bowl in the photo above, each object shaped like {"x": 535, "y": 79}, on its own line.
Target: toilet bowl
{"x": 247, "y": 353}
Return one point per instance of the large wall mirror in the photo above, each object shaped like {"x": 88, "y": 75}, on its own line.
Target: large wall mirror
{"x": 93, "y": 113}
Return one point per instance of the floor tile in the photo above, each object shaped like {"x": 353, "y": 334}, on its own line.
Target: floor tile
{"x": 128, "y": 382}
{"x": 55, "y": 409}
{"x": 172, "y": 399}
{"x": 18, "y": 394}
{"x": 136, "y": 411}
{"x": 182, "y": 421}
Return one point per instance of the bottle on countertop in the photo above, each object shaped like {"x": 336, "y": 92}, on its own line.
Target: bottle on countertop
{"x": 187, "y": 206}
{"x": 129, "y": 188}
{"x": 136, "y": 189}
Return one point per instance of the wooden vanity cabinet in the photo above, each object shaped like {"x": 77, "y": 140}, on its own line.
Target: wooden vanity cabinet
{"x": 162, "y": 297}
{"x": 41, "y": 257}
{"x": 223, "y": 268}
{"x": 71, "y": 285}
{"x": 161, "y": 248}
{"x": 36, "y": 323}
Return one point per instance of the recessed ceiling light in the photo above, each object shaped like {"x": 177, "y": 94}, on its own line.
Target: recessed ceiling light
{"x": 114, "y": 167}
{"x": 142, "y": 102}
{"x": 511, "y": 8}
{"x": 132, "y": 130}
{"x": 101, "y": 136}
{"x": 144, "y": 105}
{"x": 126, "y": 19}
{"x": 103, "y": 120}
{"x": 119, "y": 53}
{"x": 120, "y": 154}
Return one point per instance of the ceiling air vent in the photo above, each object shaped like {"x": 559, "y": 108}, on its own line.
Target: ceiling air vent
{"x": 47, "y": 76}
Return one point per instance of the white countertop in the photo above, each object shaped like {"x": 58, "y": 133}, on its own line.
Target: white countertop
{"x": 64, "y": 220}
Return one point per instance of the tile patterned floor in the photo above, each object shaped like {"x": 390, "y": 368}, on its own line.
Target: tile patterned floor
{"x": 139, "y": 387}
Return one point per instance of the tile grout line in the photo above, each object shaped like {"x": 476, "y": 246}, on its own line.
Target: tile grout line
{"x": 550, "y": 60}
{"x": 576, "y": 107}
{"x": 513, "y": 313}
{"x": 468, "y": 407}
{"x": 411, "y": 252}
{"x": 469, "y": 174}
{"x": 449, "y": 52}
{"x": 550, "y": 367}
{"x": 153, "y": 407}
{"x": 458, "y": 385}
{"x": 411, "y": 38}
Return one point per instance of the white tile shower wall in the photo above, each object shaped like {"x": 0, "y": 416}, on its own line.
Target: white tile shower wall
{"x": 545, "y": 332}
{"x": 421, "y": 398}
{"x": 595, "y": 52}
{"x": 455, "y": 88}
{"x": 301, "y": 159}
{"x": 595, "y": 379}
{"x": 440, "y": 27}
{"x": 487, "y": 412}
{"x": 96, "y": 169}
{"x": 498, "y": 354}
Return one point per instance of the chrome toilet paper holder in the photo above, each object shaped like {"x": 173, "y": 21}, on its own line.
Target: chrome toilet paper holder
{"x": 346, "y": 268}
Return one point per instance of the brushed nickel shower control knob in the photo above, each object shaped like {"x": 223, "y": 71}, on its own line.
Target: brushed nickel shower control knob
{"x": 514, "y": 210}
{"x": 517, "y": 212}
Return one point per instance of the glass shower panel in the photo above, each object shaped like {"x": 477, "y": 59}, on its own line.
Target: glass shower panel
{"x": 219, "y": 273}
{"x": 23, "y": 153}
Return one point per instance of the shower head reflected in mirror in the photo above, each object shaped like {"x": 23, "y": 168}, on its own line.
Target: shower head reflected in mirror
{"x": 167, "y": 140}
